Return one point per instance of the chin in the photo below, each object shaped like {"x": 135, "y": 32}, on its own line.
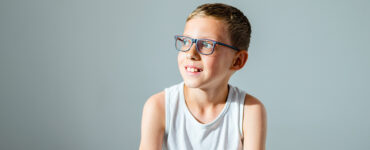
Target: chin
{"x": 192, "y": 84}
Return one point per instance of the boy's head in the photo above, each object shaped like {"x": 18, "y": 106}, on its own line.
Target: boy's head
{"x": 214, "y": 45}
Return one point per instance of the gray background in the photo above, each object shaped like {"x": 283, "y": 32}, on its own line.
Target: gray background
{"x": 74, "y": 74}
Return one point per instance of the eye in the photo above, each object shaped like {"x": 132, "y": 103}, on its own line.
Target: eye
{"x": 207, "y": 44}
{"x": 185, "y": 41}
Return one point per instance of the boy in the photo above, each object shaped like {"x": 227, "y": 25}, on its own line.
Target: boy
{"x": 204, "y": 111}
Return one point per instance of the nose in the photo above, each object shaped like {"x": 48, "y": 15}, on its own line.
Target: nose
{"x": 193, "y": 53}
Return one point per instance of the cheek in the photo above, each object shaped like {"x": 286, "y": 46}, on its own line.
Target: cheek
{"x": 180, "y": 58}
{"x": 218, "y": 64}
{"x": 212, "y": 64}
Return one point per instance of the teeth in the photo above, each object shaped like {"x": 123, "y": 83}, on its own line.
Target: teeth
{"x": 193, "y": 69}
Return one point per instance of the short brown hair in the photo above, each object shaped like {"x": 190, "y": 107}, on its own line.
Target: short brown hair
{"x": 239, "y": 27}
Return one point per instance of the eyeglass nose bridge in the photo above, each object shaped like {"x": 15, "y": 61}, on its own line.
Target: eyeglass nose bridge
{"x": 194, "y": 41}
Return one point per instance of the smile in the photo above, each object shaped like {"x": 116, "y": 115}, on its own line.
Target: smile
{"x": 193, "y": 69}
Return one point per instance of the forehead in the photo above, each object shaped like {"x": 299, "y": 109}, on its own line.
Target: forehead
{"x": 207, "y": 27}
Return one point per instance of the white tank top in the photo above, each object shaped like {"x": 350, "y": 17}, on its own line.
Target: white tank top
{"x": 184, "y": 132}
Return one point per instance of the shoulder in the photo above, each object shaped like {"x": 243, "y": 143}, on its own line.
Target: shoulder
{"x": 253, "y": 109}
{"x": 252, "y": 103}
{"x": 154, "y": 112}
{"x": 155, "y": 105}
{"x": 156, "y": 99}
{"x": 153, "y": 122}
{"x": 254, "y": 123}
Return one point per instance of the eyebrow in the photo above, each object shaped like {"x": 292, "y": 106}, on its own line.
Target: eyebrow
{"x": 204, "y": 37}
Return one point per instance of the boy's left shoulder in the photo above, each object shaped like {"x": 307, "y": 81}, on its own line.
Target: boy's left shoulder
{"x": 252, "y": 102}
{"x": 254, "y": 123}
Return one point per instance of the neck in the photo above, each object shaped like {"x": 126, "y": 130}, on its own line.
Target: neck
{"x": 203, "y": 98}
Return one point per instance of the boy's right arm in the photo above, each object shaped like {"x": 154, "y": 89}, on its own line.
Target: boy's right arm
{"x": 153, "y": 122}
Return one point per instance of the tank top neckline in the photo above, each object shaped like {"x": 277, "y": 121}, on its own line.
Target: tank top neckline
{"x": 192, "y": 118}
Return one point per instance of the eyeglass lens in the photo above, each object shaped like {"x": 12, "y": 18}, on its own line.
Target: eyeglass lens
{"x": 204, "y": 46}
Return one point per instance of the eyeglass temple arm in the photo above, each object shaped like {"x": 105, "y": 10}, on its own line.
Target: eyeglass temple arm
{"x": 228, "y": 46}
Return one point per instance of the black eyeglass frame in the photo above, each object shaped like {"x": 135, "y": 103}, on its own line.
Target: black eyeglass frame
{"x": 196, "y": 45}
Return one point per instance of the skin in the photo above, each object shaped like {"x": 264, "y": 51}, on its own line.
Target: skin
{"x": 206, "y": 94}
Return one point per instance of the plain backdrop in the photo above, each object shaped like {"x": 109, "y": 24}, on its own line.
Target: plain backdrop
{"x": 74, "y": 74}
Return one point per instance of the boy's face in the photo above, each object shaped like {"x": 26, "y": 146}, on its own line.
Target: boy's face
{"x": 216, "y": 68}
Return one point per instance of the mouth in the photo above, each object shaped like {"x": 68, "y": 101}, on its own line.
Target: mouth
{"x": 193, "y": 69}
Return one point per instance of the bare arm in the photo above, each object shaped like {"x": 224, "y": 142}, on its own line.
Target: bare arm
{"x": 153, "y": 123}
{"x": 254, "y": 124}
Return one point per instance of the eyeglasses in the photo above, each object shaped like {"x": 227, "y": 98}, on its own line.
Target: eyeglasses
{"x": 203, "y": 46}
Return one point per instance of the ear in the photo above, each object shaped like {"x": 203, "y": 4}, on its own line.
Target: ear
{"x": 240, "y": 59}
